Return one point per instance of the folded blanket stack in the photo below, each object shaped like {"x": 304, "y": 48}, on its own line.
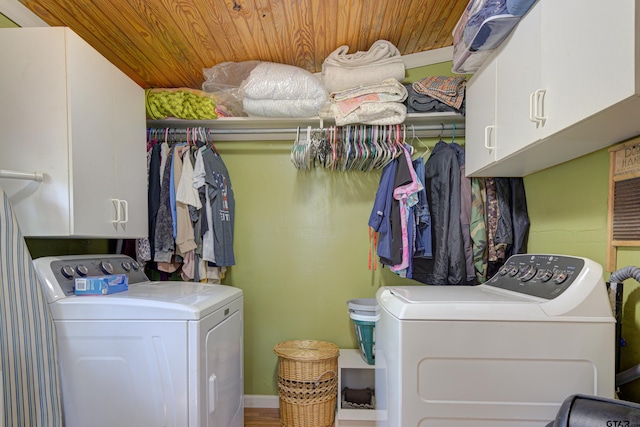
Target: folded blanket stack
{"x": 420, "y": 103}
{"x": 379, "y": 103}
{"x": 447, "y": 89}
{"x": 342, "y": 70}
{"x": 280, "y": 90}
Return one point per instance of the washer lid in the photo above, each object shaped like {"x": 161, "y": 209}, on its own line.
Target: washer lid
{"x": 148, "y": 301}
{"x": 529, "y": 287}
{"x": 457, "y": 303}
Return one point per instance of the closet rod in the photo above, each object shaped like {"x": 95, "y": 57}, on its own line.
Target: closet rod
{"x": 271, "y": 134}
{"x": 35, "y": 176}
{"x": 215, "y": 131}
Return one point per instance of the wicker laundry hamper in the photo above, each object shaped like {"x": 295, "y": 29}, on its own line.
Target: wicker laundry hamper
{"x": 307, "y": 382}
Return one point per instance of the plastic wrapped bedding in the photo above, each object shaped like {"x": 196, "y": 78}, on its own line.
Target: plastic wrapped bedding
{"x": 268, "y": 89}
{"x": 280, "y": 90}
{"x": 483, "y": 26}
{"x": 280, "y": 107}
{"x": 519, "y": 7}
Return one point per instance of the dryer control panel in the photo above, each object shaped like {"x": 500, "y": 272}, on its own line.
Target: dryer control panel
{"x": 544, "y": 276}
{"x": 63, "y": 270}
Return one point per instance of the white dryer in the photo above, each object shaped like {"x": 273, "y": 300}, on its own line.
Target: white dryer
{"x": 162, "y": 354}
{"x": 502, "y": 354}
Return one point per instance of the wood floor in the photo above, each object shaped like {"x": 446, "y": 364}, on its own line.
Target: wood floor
{"x": 261, "y": 417}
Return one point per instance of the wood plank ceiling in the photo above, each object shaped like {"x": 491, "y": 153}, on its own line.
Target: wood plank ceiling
{"x": 167, "y": 43}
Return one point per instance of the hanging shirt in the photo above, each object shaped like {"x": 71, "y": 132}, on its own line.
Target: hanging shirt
{"x": 222, "y": 201}
{"x": 424, "y": 243}
{"x": 206, "y": 219}
{"x": 407, "y": 198}
{"x": 380, "y": 218}
{"x": 478, "y": 228}
{"x": 164, "y": 242}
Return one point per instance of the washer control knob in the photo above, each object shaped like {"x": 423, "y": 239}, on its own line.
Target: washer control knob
{"x": 544, "y": 275}
{"x": 67, "y": 271}
{"x": 528, "y": 273}
{"x": 106, "y": 267}
{"x": 126, "y": 266}
{"x": 82, "y": 270}
{"x": 559, "y": 277}
{"x": 513, "y": 271}
{"x": 135, "y": 265}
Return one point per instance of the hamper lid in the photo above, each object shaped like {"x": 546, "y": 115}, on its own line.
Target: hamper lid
{"x": 307, "y": 350}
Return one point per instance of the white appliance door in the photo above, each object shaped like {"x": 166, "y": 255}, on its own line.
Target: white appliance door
{"x": 123, "y": 373}
{"x": 219, "y": 376}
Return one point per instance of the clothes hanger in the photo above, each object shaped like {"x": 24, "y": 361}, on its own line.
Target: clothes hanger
{"x": 406, "y": 144}
{"x": 295, "y": 148}
{"x": 453, "y": 132}
{"x": 379, "y": 152}
{"x": 441, "y": 132}
{"x": 415, "y": 138}
{"x": 207, "y": 138}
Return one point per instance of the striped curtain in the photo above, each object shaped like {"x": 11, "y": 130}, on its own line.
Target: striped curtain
{"x": 28, "y": 358}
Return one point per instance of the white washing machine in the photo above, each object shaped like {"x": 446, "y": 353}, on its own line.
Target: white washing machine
{"x": 165, "y": 354}
{"x": 502, "y": 354}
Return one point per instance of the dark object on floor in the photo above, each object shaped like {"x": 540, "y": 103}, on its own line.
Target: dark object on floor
{"x": 592, "y": 411}
{"x": 359, "y": 396}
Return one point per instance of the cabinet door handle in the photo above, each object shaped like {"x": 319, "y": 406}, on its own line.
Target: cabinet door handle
{"x": 487, "y": 137}
{"x": 539, "y": 106}
{"x": 125, "y": 209}
{"x": 116, "y": 205}
{"x": 532, "y": 114}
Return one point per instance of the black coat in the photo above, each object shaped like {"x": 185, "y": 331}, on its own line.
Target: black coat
{"x": 442, "y": 182}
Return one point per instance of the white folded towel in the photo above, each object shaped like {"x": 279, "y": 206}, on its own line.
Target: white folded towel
{"x": 342, "y": 70}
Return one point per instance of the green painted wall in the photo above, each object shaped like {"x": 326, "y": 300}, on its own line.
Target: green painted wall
{"x": 6, "y": 22}
{"x": 568, "y": 210}
{"x": 302, "y": 250}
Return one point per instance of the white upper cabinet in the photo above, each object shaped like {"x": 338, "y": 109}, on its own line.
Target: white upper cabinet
{"x": 566, "y": 85}
{"x": 70, "y": 114}
{"x": 480, "y": 126}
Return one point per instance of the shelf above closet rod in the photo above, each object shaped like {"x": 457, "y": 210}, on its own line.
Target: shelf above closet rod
{"x": 35, "y": 176}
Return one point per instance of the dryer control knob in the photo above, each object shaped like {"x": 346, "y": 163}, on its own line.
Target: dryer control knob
{"x": 82, "y": 270}
{"x": 106, "y": 267}
{"x": 67, "y": 271}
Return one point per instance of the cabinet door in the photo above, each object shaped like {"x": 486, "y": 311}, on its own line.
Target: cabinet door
{"x": 91, "y": 140}
{"x": 131, "y": 158}
{"x": 518, "y": 79}
{"x": 588, "y": 58}
{"x": 480, "y": 120}
{"x": 33, "y": 120}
